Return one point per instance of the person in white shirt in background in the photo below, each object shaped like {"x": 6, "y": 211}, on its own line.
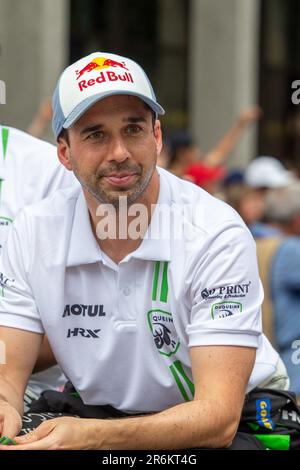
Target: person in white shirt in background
{"x": 29, "y": 172}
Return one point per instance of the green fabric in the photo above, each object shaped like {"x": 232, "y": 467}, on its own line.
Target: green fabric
{"x": 4, "y": 140}
{"x": 164, "y": 289}
{"x": 189, "y": 383}
{"x": 164, "y": 284}
{"x": 274, "y": 441}
{"x": 253, "y": 426}
{"x": 179, "y": 383}
{"x": 6, "y": 441}
{"x": 155, "y": 280}
{"x": 4, "y": 136}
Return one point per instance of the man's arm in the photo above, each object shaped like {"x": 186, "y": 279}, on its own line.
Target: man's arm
{"x": 41, "y": 119}
{"x": 220, "y": 374}
{"x": 219, "y": 154}
{"x": 21, "y": 350}
{"x": 46, "y": 357}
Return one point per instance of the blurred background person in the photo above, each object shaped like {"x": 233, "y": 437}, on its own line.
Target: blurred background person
{"x": 246, "y": 191}
{"x": 261, "y": 175}
{"x": 279, "y": 264}
{"x": 29, "y": 171}
{"x": 185, "y": 155}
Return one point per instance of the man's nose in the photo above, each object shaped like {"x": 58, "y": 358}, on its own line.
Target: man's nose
{"x": 118, "y": 151}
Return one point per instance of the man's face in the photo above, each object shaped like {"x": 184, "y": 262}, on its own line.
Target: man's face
{"x": 113, "y": 149}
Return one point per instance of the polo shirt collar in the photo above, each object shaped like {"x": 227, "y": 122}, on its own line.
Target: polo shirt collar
{"x": 84, "y": 249}
{"x": 156, "y": 243}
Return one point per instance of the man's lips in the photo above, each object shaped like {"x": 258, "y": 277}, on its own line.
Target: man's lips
{"x": 120, "y": 179}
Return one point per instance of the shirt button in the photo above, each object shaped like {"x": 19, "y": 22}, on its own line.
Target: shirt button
{"x": 127, "y": 291}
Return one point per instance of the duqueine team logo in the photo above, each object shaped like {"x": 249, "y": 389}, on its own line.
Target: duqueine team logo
{"x": 164, "y": 333}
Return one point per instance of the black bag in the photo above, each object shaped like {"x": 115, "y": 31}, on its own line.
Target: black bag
{"x": 273, "y": 416}
{"x": 52, "y": 404}
{"x": 270, "y": 418}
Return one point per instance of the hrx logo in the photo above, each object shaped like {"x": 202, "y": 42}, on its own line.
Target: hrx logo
{"x": 85, "y": 333}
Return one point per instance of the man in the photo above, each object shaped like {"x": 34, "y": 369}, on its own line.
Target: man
{"x": 263, "y": 174}
{"x": 149, "y": 305}
{"x": 29, "y": 172}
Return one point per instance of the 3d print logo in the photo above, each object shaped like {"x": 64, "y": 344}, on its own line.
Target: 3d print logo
{"x": 2, "y": 92}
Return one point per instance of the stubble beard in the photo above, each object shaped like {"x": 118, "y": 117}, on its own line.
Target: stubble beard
{"x": 94, "y": 187}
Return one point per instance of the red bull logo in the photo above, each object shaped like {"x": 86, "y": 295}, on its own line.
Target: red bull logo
{"x": 100, "y": 63}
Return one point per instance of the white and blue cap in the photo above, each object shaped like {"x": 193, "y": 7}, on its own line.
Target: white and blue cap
{"x": 93, "y": 78}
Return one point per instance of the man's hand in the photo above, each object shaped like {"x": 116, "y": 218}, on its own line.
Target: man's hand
{"x": 59, "y": 434}
{"x": 21, "y": 352}
{"x": 249, "y": 115}
{"x": 10, "y": 420}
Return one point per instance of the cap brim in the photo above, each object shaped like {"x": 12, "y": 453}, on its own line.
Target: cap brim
{"x": 82, "y": 107}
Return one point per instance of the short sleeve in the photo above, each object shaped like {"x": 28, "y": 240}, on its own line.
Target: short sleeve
{"x": 17, "y": 305}
{"x": 226, "y": 293}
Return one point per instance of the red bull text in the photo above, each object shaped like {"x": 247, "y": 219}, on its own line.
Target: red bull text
{"x": 105, "y": 76}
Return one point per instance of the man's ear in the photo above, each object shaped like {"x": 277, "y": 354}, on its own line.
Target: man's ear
{"x": 63, "y": 152}
{"x": 158, "y": 136}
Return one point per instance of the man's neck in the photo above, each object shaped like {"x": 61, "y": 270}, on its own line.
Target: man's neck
{"x": 119, "y": 238}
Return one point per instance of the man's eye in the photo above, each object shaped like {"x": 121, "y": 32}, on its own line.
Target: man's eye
{"x": 98, "y": 135}
{"x": 133, "y": 129}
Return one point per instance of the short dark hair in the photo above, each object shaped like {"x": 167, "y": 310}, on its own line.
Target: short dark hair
{"x": 64, "y": 135}
{"x": 153, "y": 114}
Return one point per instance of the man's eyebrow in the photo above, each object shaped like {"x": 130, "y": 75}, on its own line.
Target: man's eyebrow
{"x": 135, "y": 120}
{"x": 96, "y": 127}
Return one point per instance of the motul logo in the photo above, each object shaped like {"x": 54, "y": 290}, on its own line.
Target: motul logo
{"x": 83, "y": 310}
{"x": 106, "y": 77}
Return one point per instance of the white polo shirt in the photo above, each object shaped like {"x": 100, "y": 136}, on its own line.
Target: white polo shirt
{"x": 122, "y": 333}
{"x": 29, "y": 172}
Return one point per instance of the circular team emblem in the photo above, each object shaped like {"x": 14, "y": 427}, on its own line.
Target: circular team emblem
{"x": 163, "y": 331}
